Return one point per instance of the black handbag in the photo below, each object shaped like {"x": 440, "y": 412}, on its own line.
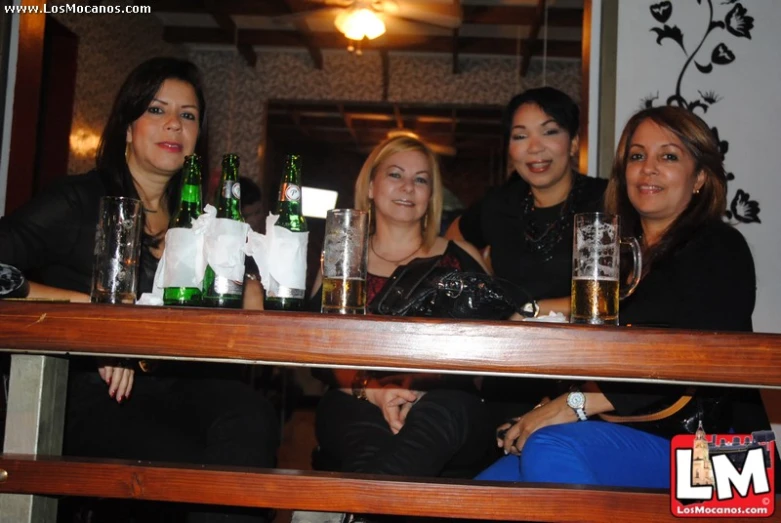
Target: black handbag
{"x": 13, "y": 284}
{"x": 423, "y": 288}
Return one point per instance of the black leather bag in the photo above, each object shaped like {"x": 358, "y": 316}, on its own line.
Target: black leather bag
{"x": 423, "y": 288}
{"x": 13, "y": 284}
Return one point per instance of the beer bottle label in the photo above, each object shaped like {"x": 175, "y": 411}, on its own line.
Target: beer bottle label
{"x": 231, "y": 189}
{"x": 291, "y": 192}
{"x": 236, "y": 190}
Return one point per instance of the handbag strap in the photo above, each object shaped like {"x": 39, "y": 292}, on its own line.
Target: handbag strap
{"x": 654, "y": 416}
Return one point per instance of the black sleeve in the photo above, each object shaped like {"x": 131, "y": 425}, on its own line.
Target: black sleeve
{"x": 471, "y": 225}
{"x": 43, "y": 230}
{"x": 720, "y": 290}
{"x": 717, "y": 285}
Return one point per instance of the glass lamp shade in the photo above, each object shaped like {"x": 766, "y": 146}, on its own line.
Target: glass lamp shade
{"x": 356, "y": 24}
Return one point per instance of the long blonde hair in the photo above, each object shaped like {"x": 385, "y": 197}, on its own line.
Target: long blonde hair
{"x": 431, "y": 221}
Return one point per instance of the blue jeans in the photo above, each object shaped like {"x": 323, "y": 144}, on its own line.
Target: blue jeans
{"x": 588, "y": 453}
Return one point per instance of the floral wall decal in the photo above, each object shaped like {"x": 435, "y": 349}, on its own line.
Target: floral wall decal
{"x": 737, "y": 23}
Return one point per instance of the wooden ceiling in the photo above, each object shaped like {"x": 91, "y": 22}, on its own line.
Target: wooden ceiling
{"x": 466, "y": 131}
{"x": 485, "y": 27}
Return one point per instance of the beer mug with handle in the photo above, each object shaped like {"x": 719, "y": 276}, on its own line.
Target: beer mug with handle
{"x": 596, "y": 269}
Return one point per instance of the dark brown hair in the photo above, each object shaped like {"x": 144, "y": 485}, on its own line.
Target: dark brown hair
{"x": 701, "y": 143}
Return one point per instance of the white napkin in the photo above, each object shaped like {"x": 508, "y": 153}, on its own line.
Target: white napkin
{"x": 552, "y": 317}
{"x": 224, "y": 243}
{"x": 280, "y": 254}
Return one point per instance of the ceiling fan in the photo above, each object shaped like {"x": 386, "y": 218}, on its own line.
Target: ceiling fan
{"x": 359, "y": 19}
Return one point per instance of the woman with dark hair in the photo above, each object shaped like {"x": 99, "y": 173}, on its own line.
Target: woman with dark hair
{"x": 668, "y": 186}
{"x": 182, "y": 412}
{"x": 527, "y": 222}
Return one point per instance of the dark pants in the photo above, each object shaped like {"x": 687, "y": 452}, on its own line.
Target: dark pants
{"x": 446, "y": 433}
{"x": 186, "y": 416}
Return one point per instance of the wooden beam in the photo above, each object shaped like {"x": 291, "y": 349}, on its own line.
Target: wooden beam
{"x": 454, "y": 58}
{"x": 304, "y": 34}
{"x": 523, "y": 15}
{"x": 227, "y": 25}
{"x": 348, "y": 121}
{"x": 407, "y": 344}
{"x": 24, "y": 125}
{"x": 332, "y": 40}
{"x": 526, "y": 48}
{"x": 397, "y": 116}
{"x": 385, "y": 73}
{"x": 330, "y": 492}
{"x": 472, "y": 14}
{"x": 585, "y": 61}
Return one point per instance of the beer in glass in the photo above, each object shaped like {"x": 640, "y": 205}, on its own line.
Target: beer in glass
{"x": 345, "y": 260}
{"x": 596, "y": 269}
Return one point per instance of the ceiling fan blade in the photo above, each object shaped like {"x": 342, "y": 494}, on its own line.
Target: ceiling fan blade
{"x": 315, "y": 12}
{"x": 444, "y": 15}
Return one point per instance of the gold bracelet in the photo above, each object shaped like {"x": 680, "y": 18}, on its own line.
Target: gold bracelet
{"x": 360, "y": 381}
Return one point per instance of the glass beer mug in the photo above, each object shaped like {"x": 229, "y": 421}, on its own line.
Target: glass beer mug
{"x": 345, "y": 261}
{"x": 596, "y": 269}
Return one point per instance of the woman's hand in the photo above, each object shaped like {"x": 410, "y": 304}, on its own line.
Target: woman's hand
{"x": 394, "y": 400}
{"x": 119, "y": 381}
{"x": 547, "y": 413}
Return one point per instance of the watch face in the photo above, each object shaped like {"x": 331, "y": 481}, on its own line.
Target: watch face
{"x": 576, "y": 400}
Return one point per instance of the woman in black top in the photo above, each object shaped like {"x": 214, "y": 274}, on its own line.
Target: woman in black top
{"x": 404, "y": 424}
{"x": 527, "y": 222}
{"x": 669, "y": 187}
{"x": 190, "y": 413}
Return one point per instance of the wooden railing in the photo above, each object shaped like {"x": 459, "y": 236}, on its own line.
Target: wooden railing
{"x": 483, "y": 348}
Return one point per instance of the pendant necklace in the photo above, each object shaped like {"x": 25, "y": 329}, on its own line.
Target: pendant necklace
{"x": 394, "y": 262}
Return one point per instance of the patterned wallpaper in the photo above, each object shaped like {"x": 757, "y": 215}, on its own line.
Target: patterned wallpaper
{"x": 110, "y": 46}
{"x": 237, "y": 95}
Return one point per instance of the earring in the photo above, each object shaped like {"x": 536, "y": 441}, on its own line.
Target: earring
{"x": 696, "y": 191}
{"x": 127, "y": 150}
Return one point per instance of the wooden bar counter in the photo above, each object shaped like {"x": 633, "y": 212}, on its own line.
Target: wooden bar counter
{"x": 38, "y": 333}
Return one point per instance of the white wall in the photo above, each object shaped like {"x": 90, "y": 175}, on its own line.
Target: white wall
{"x": 746, "y": 115}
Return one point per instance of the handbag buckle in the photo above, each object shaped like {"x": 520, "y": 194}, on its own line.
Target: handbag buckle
{"x": 453, "y": 288}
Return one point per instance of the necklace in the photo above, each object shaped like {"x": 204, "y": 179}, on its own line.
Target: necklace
{"x": 394, "y": 262}
{"x": 150, "y": 210}
{"x": 541, "y": 239}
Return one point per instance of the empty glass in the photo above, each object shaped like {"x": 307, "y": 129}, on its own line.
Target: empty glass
{"x": 117, "y": 249}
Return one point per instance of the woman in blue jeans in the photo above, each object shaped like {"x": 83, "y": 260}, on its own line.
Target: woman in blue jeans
{"x": 669, "y": 187}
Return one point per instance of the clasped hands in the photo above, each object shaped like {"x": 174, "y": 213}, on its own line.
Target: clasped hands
{"x": 512, "y": 436}
{"x": 394, "y": 397}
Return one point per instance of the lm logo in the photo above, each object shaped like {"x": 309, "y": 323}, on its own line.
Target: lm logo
{"x": 723, "y": 475}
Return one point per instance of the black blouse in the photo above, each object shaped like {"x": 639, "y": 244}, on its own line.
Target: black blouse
{"x": 499, "y": 220}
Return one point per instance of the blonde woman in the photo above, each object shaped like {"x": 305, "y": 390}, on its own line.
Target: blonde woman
{"x": 404, "y": 424}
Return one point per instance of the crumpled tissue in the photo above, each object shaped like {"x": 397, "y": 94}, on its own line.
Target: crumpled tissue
{"x": 552, "y": 317}
{"x": 280, "y": 254}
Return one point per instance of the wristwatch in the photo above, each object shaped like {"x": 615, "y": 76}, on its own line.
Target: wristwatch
{"x": 360, "y": 381}
{"x": 531, "y": 309}
{"x": 576, "y": 400}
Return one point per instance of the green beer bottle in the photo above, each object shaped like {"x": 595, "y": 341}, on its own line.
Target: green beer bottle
{"x": 291, "y": 218}
{"x": 187, "y": 211}
{"x": 219, "y": 291}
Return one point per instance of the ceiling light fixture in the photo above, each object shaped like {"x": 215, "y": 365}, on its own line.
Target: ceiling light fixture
{"x": 359, "y": 22}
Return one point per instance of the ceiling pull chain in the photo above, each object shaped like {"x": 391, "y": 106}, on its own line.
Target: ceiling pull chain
{"x": 518, "y": 60}
{"x": 232, "y": 90}
{"x": 545, "y": 45}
